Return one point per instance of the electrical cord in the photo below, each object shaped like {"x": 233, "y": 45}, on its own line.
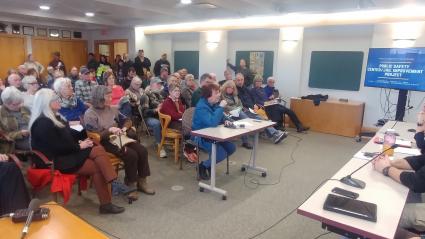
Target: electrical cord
{"x": 91, "y": 224}
{"x": 293, "y": 210}
{"x": 323, "y": 234}
{"x": 256, "y": 182}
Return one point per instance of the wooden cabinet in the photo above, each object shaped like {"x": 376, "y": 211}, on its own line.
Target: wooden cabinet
{"x": 332, "y": 116}
{"x": 12, "y": 52}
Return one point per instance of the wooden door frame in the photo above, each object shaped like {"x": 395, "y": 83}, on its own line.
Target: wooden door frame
{"x": 111, "y": 42}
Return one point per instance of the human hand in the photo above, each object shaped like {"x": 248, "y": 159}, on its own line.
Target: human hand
{"x": 227, "y": 123}
{"x": 4, "y": 158}
{"x": 223, "y": 103}
{"x": 381, "y": 162}
{"x": 271, "y": 97}
{"x": 25, "y": 132}
{"x": 87, "y": 143}
{"x": 256, "y": 107}
{"x": 115, "y": 130}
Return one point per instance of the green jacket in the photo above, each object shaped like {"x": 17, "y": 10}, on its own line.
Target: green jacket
{"x": 9, "y": 127}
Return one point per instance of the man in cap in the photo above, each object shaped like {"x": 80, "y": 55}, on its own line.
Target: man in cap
{"x": 84, "y": 86}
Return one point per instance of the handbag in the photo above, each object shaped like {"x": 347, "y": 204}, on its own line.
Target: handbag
{"x": 120, "y": 140}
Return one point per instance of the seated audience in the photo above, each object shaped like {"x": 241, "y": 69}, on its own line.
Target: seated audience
{"x": 70, "y": 150}
{"x": 229, "y": 93}
{"x": 164, "y": 74}
{"x": 150, "y": 107}
{"x": 205, "y": 80}
{"x": 135, "y": 92}
{"x": 104, "y": 65}
{"x": 102, "y": 118}
{"x": 244, "y": 70}
{"x": 117, "y": 90}
{"x": 14, "y": 118}
{"x": 189, "y": 87}
{"x": 410, "y": 172}
{"x": 183, "y": 73}
{"x": 33, "y": 64}
{"x": 33, "y": 72}
{"x": 22, "y": 71}
{"x": 270, "y": 90}
{"x": 173, "y": 107}
{"x": 171, "y": 80}
{"x": 72, "y": 108}
{"x": 92, "y": 63}
{"x": 73, "y": 76}
{"x": 208, "y": 113}
{"x": 9, "y": 72}
{"x": 84, "y": 86}
{"x": 130, "y": 75}
{"x": 31, "y": 85}
{"x": 227, "y": 76}
{"x": 255, "y": 98}
{"x": 16, "y": 81}
{"x": 50, "y": 79}
{"x": 13, "y": 191}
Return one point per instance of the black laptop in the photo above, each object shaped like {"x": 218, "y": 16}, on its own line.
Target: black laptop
{"x": 351, "y": 207}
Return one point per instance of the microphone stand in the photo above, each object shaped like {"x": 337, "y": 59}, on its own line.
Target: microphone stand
{"x": 359, "y": 183}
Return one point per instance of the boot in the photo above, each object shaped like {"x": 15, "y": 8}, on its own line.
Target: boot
{"x": 132, "y": 193}
{"x": 143, "y": 187}
{"x": 110, "y": 208}
{"x": 203, "y": 175}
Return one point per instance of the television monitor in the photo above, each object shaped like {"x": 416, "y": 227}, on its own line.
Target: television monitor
{"x": 396, "y": 68}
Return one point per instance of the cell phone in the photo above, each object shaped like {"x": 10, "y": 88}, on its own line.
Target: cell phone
{"x": 345, "y": 193}
{"x": 351, "y": 207}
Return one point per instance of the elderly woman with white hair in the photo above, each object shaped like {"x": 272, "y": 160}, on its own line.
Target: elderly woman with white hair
{"x": 71, "y": 151}
{"x": 31, "y": 85}
{"x": 189, "y": 87}
{"x": 72, "y": 108}
{"x": 102, "y": 118}
{"x": 14, "y": 118}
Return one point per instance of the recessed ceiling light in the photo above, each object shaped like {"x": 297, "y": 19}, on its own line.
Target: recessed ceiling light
{"x": 89, "y": 14}
{"x": 185, "y": 1}
{"x": 44, "y": 7}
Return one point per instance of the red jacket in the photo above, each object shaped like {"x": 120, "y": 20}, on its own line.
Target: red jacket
{"x": 169, "y": 108}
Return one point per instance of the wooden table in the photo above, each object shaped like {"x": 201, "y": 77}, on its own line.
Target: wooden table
{"x": 331, "y": 116}
{"x": 220, "y": 134}
{"x": 387, "y": 194}
{"x": 61, "y": 224}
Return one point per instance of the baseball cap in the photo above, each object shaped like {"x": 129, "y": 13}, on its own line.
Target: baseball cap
{"x": 84, "y": 70}
{"x": 156, "y": 80}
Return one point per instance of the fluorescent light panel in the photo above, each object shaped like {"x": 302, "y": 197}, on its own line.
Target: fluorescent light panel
{"x": 44, "y": 7}
{"x": 410, "y": 13}
{"x": 89, "y": 14}
{"x": 185, "y": 1}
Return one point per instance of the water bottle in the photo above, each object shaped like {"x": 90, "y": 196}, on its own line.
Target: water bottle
{"x": 389, "y": 141}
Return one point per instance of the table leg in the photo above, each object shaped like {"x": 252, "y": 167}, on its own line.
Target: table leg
{"x": 211, "y": 186}
{"x": 252, "y": 164}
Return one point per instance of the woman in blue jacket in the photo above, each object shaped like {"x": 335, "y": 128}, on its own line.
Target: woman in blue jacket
{"x": 208, "y": 113}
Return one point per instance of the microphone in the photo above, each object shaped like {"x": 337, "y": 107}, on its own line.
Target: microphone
{"x": 359, "y": 183}
{"x": 34, "y": 204}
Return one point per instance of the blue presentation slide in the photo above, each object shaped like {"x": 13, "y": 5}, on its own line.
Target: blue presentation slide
{"x": 396, "y": 68}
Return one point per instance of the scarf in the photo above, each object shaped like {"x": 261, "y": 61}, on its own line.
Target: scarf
{"x": 71, "y": 102}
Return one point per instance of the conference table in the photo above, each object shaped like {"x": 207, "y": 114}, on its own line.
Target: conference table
{"x": 389, "y": 195}
{"x": 222, "y": 133}
{"x": 61, "y": 224}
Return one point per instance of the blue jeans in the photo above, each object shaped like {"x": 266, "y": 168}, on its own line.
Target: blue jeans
{"x": 155, "y": 125}
{"x": 224, "y": 149}
{"x": 270, "y": 131}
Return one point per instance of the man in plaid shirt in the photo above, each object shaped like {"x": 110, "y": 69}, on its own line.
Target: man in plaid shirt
{"x": 84, "y": 86}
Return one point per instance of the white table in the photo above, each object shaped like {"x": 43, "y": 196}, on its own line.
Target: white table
{"x": 220, "y": 134}
{"x": 388, "y": 195}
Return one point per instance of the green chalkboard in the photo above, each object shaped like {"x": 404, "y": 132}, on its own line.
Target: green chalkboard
{"x": 268, "y": 61}
{"x": 188, "y": 60}
{"x": 339, "y": 70}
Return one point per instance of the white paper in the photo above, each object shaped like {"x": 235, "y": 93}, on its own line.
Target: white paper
{"x": 235, "y": 112}
{"x": 408, "y": 151}
{"x": 252, "y": 111}
{"x": 77, "y": 127}
{"x": 360, "y": 155}
{"x": 404, "y": 143}
{"x": 246, "y": 124}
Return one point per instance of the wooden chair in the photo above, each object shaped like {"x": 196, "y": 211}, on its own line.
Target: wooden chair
{"x": 116, "y": 162}
{"x": 169, "y": 136}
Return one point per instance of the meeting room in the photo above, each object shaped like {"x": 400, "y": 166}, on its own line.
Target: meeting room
{"x": 239, "y": 119}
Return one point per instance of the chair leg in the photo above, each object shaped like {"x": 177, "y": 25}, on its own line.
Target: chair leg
{"x": 79, "y": 186}
{"x": 160, "y": 145}
{"x": 181, "y": 155}
{"x": 197, "y": 162}
{"x": 176, "y": 149}
{"x": 227, "y": 171}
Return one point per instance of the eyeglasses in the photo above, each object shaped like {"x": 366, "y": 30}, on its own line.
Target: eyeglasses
{"x": 33, "y": 83}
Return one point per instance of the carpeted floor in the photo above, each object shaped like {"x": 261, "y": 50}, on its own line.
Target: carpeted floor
{"x": 253, "y": 205}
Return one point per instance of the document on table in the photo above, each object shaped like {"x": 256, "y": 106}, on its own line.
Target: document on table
{"x": 409, "y": 151}
{"x": 77, "y": 127}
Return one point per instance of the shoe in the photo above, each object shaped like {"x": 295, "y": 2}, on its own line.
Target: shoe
{"x": 131, "y": 192}
{"x": 280, "y": 135}
{"x": 110, "y": 209}
{"x": 203, "y": 172}
{"x": 247, "y": 145}
{"x": 191, "y": 157}
{"x": 162, "y": 153}
{"x": 142, "y": 186}
{"x": 301, "y": 129}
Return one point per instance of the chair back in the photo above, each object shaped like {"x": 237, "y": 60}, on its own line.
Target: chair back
{"x": 187, "y": 121}
{"x": 93, "y": 136}
{"x": 165, "y": 121}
